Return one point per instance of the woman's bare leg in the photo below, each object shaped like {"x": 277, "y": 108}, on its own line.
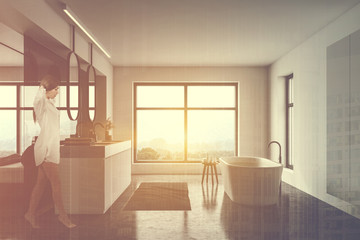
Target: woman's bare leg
{"x": 52, "y": 172}
{"x": 35, "y": 198}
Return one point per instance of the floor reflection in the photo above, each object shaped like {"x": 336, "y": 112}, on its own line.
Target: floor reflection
{"x": 209, "y": 199}
{"x": 297, "y": 216}
{"x": 250, "y": 222}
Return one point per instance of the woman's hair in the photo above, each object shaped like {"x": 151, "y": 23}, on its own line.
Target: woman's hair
{"x": 49, "y": 82}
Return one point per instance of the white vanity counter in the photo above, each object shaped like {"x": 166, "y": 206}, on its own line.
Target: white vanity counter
{"x": 94, "y": 176}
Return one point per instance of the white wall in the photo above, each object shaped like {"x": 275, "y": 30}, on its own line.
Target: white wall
{"x": 308, "y": 64}
{"x": 253, "y": 124}
{"x": 38, "y": 13}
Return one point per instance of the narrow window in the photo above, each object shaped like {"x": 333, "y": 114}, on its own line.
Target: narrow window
{"x": 289, "y": 121}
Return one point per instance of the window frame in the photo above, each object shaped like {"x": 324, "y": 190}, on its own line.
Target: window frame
{"x": 185, "y": 109}
{"x": 289, "y": 120}
{"x": 19, "y": 109}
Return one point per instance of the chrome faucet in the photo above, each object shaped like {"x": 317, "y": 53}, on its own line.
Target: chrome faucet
{"x": 279, "y": 148}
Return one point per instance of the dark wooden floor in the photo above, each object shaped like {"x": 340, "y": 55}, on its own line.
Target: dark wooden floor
{"x": 212, "y": 216}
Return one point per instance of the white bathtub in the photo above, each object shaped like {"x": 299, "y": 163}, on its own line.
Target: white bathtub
{"x": 251, "y": 180}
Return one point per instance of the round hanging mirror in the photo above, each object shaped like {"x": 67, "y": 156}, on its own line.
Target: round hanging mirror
{"x": 92, "y": 77}
{"x": 72, "y": 87}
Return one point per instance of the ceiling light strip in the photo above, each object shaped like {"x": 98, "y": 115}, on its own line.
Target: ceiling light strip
{"x": 73, "y": 18}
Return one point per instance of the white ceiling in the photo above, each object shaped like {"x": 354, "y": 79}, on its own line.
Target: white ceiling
{"x": 12, "y": 45}
{"x": 204, "y": 32}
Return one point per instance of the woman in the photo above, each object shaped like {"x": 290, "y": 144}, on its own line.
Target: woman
{"x": 47, "y": 151}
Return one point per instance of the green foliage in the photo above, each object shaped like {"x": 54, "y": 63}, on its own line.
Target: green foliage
{"x": 147, "y": 154}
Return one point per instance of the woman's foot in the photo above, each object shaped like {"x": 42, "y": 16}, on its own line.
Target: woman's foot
{"x": 31, "y": 220}
{"x": 66, "y": 221}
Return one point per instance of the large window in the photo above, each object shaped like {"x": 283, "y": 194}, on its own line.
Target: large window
{"x": 184, "y": 122}
{"x": 8, "y": 102}
{"x": 289, "y": 121}
{"x": 17, "y": 127}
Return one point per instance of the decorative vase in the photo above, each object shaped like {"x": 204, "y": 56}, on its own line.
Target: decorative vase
{"x": 108, "y": 137}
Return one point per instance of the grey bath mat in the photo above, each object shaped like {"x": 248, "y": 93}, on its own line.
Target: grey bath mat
{"x": 161, "y": 196}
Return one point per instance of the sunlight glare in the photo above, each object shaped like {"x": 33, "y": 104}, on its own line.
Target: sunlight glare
{"x": 211, "y": 96}
{"x": 160, "y": 96}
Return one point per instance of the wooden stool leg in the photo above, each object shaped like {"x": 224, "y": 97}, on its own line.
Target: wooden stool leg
{"x": 216, "y": 175}
{"x": 207, "y": 173}
{"x": 212, "y": 175}
{"x": 203, "y": 175}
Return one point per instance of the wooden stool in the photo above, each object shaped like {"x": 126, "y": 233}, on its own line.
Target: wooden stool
{"x": 212, "y": 164}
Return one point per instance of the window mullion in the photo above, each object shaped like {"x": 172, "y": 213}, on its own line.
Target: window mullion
{"x": 18, "y": 119}
{"x": 185, "y": 124}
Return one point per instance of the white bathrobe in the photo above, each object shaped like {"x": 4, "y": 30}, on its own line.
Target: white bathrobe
{"x": 47, "y": 145}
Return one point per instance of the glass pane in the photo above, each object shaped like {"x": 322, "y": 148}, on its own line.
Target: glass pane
{"x": 211, "y": 96}
{"x": 67, "y": 126}
{"x": 73, "y": 113}
{"x": 62, "y": 96}
{"x": 291, "y": 96}
{"x": 7, "y": 132}
{"x": 29, "y": 93}
{"x": 91, "y": 97}
{"x": 290, "y": 121}
{"x": 160, "y": 135}
{"x": 211, "y": 132}
{"x": 29, "y": 129}
{"x": 7, "y": 96}
{"x": 160, "y": 96}
{"x": 74, "y": 97}
{"x": 92, "y": 114}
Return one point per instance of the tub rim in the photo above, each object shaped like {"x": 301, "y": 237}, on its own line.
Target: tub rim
{"x": 277, "y": 164}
